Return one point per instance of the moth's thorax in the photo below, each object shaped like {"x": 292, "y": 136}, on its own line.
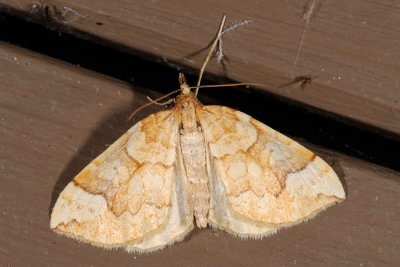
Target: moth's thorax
{"x": 187, "y": 107}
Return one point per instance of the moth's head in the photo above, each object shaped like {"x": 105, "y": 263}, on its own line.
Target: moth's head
{"x": 185, "y": 89}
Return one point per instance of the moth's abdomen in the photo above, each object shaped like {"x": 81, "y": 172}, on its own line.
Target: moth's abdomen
{"x": 194, "y": 160}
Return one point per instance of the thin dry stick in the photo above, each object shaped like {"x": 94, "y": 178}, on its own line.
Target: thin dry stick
{"x": 219, "y": 54}
{"x": 210, "y": 53}
{"x": 234, "y": 25}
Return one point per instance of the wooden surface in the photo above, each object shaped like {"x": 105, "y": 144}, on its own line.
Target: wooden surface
{"x": 56, "y": 117}
{"x": 350, "y": 48}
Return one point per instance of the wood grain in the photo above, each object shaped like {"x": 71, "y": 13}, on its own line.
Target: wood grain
{"x": 350, "y": 49}
{"x": 56, "y": 117}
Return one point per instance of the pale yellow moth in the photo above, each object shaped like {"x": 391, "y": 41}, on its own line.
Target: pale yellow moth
{"x": 210, "y": 164}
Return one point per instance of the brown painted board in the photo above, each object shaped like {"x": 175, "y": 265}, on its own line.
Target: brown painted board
{"x": 55, "y": 118}
{"x": 349, "y": 48}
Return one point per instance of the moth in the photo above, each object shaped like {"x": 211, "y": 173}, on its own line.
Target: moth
{"x": 194, "y": 164}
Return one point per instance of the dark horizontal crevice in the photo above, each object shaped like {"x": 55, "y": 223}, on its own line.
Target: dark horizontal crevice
{"x": 148, "y": 71}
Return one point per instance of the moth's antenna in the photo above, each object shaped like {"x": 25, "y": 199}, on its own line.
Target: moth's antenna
{"x": 225, "y": 85}
{"x": 156, "y": 101}
{"x": 169, "y": 101}
{"x": 151, "y": 103}
{"x": 210, "y": 53}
